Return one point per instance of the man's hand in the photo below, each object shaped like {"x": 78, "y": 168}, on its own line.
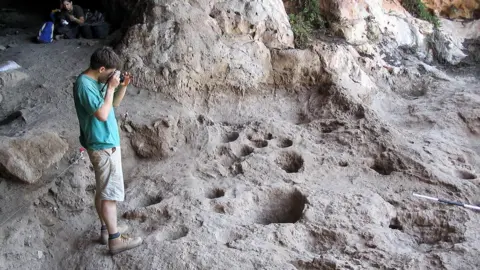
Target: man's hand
{"x": 127, "y": 79}
{"x": 114, "y": 81}
{"x": 80, "y": 20}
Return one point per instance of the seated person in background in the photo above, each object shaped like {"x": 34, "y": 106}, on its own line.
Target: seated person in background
{"x": 69, "y": 20}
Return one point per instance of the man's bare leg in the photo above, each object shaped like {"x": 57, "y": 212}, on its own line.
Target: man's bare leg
{"x": 109, "y": 214}
{"x": 98, "y": 207}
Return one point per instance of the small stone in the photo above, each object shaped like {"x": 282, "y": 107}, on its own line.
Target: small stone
{"x": 12, "y": 45}
{"x": 128, "y": 128}
{"x": 2, "y": 48}
{"x": 40, "y": 254}
{"x": 370, "y": 244}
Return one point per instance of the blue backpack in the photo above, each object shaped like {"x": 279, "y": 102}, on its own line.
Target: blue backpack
{"x": 45, "y": 35}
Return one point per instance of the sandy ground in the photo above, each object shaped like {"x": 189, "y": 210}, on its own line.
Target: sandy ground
{"x": 291, "y": 181}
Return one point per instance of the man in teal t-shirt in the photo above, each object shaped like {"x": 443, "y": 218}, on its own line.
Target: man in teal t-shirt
{"x": 95, "y": 94}
{"x": 95, "y": 134}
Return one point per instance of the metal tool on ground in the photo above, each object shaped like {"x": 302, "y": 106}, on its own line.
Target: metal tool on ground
{"x": 447, "y": 202}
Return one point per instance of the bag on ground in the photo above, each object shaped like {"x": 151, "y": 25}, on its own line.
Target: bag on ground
{"x": 45, "y": 35}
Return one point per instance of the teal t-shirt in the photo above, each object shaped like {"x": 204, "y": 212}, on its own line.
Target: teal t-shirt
{"x": 94, "y": 134}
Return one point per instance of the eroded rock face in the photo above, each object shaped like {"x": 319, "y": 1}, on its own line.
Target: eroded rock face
{"x": 246, "y": 47}
{"x": 292, "y": 67}
{"x": 455, "y": 9}
{"x": 196, "y": 45}
{"x": 387, "y": 25}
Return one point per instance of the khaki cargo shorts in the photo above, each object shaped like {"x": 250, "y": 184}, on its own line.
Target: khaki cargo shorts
{"x": 107, "y": 164}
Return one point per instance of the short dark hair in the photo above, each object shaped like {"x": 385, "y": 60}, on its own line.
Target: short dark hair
{"x": 105, "y": 57}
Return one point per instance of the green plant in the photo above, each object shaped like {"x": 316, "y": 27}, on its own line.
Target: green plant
{"x": 306, "y": 21}
{"x": 418, "y": 9}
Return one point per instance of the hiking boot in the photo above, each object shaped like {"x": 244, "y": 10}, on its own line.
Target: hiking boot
{"x": 104, "y": 233}
{"x": 123, "y": 243}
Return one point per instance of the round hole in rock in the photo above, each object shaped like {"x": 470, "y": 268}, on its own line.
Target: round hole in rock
{"x": 360, "y": 113}
{"x": 395, "y": 224}
{"x": 219, "y": 209}
{"x": 343, "y": 164}
{"x": 284, "y": 143}
{"x": 201, "y": 119}
{"x": 246, "y": 150}
{"x": 465, "y": 175}
{"x": 154, "y": 200}
{"x": 230, "y": 137}
{"x": 269, "y": 137}
{"x": 383, "y": 166}
{"x": 215, "y": 193}
{"x": 290, "y": 162}
{"x": 172, "y": 234}
{"x": 260, "y": 143}
{"x": 280, "y": 207}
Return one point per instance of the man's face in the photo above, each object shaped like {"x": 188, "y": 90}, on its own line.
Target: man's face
{"x": 68, "y": 5}
{"x": 105, "y": 74}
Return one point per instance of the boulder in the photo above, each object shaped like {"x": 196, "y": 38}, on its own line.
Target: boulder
{"x": 26, "y": 158}
{"x": 12, "y": 78}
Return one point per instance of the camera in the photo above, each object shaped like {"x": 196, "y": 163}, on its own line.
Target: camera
{"x": 122, "y": 78}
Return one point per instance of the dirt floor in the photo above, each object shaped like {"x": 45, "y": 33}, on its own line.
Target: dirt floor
{"x": 291, "y": 181}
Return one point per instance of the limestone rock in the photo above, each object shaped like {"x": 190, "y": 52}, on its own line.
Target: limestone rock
{"x": 12, "y": 78}
{"x": 455, "y": 9}
{"x": 293, "y": 67}
{"x": 159, "y": 139}
{"x": 180, "y": 47}
{"x": 26, "y": 158}
{"x": 374, "y": 21}
{"x": 254, "y": 18}
{"x": 340, "y": 61}
{"x": 447, "y": 48}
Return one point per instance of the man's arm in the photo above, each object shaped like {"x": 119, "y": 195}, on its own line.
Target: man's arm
{"x": 123, "y": 89}
{"x": 78, "y": 15}
{"x": 80, "y": 20}
{"x": 103, "y": 112}
{"x": 118, "y": 97}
